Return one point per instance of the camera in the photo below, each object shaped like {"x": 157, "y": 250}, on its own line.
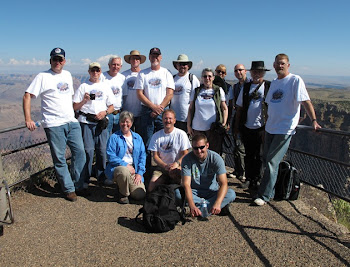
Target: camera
{"x": 92, "y": 96}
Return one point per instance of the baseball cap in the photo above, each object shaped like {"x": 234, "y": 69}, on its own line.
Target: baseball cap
{"x": 57, "y": 52}
{"x": 94, "y": 65}
{"x": 155, "y": 50}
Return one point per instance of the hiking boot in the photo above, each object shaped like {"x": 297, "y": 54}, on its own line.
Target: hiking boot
{"x": 71, "y": 196}
{"x": 259, "y": 202}
{"x": 226, "y": 211}
{"x": 245, "y": 185}
{"x": 122, "y": 199}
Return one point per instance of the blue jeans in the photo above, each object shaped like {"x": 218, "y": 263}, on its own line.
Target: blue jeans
{"x": 113, "y": 123}
{"x": 94, "y": 139}
{"x": 58, "y": 138}
{"x": 149, "y": 125}
{"x": 276, "y": 146}
{"x": 209, "y": 196}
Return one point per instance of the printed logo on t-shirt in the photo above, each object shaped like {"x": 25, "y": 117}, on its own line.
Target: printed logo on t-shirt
{"x": 277, "y": 96}
{"x": 206, "y": 96}
{"x": 155, "y": 83}
{"x": 195, "y": 174}
{"x": 178, "y": 90}
{"x": 116, "y": 90}
{"x": 98, "y": 94}
{"x": 130, "y": 150}
{"x": 131, "y": 82}
{"x": 166, "y": 147}
{"x": 63, "y": 87}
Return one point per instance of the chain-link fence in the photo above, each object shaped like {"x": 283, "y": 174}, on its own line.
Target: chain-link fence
{"x": 322, "y": 157}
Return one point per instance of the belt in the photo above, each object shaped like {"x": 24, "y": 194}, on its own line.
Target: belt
{"x": 116, "y": 112}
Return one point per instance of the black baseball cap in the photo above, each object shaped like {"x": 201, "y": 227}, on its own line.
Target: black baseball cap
{"x": 59, "y": 52}
{"x": 155, "y": 50}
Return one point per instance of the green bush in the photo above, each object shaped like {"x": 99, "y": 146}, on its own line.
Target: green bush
{"x": 342, "y": 210}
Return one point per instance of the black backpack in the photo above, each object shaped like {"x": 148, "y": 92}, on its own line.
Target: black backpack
{"x": 288, "y": 183}
{"x": 159, "y": 211}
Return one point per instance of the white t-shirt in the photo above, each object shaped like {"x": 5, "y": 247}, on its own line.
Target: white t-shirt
{"x": 56, "y": 92}
{"x": 182, "y": 93}
{"x": 128, "y": 154}
{"x": 116, "y": 84}
{"x": 254, "y": 114}
{"x": 284, "y": 99}
{"x": 154, "y": 84}
{"x": 103, "y": 98}
{"x": 131, "y": 102}
{"x": 205, "y": 110}
{"x": 169, "y": 145}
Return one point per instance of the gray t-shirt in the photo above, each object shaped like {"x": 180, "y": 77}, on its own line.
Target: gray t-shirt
{"x": 203, "y": 174}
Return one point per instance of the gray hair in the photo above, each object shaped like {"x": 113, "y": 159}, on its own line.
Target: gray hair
{"x": 208, "y": 70}
{"x": 126, "y": 115}
{"x": 115, "y": 57}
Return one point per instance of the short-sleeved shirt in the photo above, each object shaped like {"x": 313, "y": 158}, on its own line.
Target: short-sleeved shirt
{"x": 284, "y": 99}
{"x": 103, "y": 98}
{"x": 169, "y": 145}
{"x": 203, "y": 174}
{"x": 55, "y": 90}
{"x": 154, "y": 84}
{"x": 116, "y": 84}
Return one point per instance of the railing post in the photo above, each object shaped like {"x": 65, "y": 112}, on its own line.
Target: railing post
{"x": 3, "y": 201}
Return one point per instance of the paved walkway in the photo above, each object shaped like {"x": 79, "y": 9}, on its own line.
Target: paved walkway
{"x": 97, "y": 231}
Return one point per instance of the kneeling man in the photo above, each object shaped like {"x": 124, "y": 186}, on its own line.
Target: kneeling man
{"x": 204, "y": 176}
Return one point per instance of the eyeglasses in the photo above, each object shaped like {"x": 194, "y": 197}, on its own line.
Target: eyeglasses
{"x": 207, "y": 76}
{"x": 237, "y": 70}
{"x": 95, "y": 70}
{"x": 221, "y": 71}
{"x": 183, "y": 63}
{"x": 59, "y": 59}
{"x": 198, "y": 147}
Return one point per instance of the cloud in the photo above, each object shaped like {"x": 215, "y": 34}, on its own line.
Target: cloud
{"x": 86, "y": 61}
{"x": 33, "y": 62}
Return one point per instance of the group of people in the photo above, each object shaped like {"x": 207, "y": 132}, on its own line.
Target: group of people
{"x": 141, "y": 120}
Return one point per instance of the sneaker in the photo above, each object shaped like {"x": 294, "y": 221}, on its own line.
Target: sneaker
{"x": 259, "y": 202}
{"x": 122, "y": 199}
{"x": 226, "y": 211}
{"x": 108, "y": 182}
{"x": 72, "y": 196}
{"x": 245, "y": 185}
{"x": 230, "y": 175}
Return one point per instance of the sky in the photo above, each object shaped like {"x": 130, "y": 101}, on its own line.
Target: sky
{"x": 315, "y": 34}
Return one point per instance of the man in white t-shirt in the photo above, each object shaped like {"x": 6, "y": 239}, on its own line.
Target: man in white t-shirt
{"x": 131, "y": 102}
{"x": 94, "y": 101}
{"x": 55, "y": 88}
{"x": 168, "y": 147}
{"x": 250, "y": 122}
{"x": 185, "y": 83}
{"x": 155, "y": 87}
{"x": 286, "y": 94}
{"x": 115, "y": 81}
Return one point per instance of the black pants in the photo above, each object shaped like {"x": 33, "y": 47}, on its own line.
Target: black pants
{"x": 253, "y": 144}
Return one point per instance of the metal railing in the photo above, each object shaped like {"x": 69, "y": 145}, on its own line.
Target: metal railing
{"x": 321, "y": 157}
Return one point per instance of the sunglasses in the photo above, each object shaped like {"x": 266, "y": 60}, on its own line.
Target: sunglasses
{"x": 183, "y": 63}
{"x": 220, "y": 71}
{"x": 59, "y": 59}
{"x": 237, "y": 70}
{"x": 207, "y": 76}
{"x": 95, "y": 70}
{"x": 198, "y": 147}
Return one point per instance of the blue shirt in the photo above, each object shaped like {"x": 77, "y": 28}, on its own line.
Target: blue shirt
{"x": 116, "y": 149}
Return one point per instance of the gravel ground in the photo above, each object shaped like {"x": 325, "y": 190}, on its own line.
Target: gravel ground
{"x": 97, "y": 231}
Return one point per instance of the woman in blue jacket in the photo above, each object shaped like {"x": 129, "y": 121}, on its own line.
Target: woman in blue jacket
{"x": 126, "y": 160}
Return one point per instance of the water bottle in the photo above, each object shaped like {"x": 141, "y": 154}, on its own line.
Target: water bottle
{"x": 204, "y": 208}
{"x": 37, "y": 124}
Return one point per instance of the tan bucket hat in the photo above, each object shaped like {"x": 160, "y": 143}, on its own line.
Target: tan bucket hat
{"x": 134, "y": 53}
{"x": 182, "y": 59}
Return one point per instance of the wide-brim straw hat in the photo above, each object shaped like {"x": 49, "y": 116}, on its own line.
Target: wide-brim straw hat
{"x": 182, "y": 58}
{"x": 135, "y": 53}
